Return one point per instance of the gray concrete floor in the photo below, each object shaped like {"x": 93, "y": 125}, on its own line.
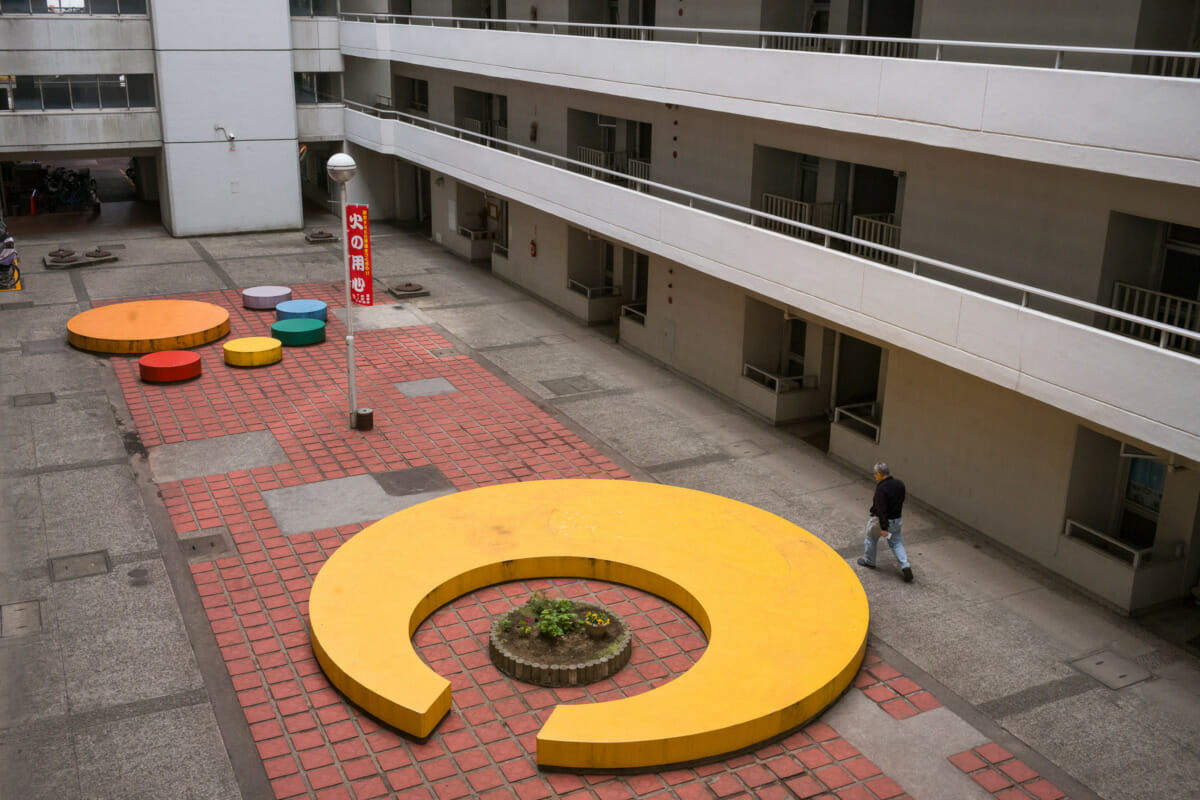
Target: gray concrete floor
{"x": 113, "y": 687}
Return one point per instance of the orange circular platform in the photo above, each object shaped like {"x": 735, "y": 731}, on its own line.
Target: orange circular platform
{"x": 146, "y": 326}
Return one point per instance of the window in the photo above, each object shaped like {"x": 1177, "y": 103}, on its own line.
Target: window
{"x": 420, "y": 95}
{"x": 76, "y": 92}
{"x": 1141, "y": 502}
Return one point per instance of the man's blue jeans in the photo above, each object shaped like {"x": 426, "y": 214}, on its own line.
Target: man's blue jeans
{"x": 894, "y": 541}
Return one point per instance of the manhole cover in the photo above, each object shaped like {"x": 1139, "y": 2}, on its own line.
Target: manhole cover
{"x": 577, "y": 384}
{"x": 20, "y": 619}
{"x": 35, "y": 399}
{"x": 743, "y": 449}
{"x": 210, "y": 544}
{"x": 83, "y": 565}
{"x": 1111, "y": 670}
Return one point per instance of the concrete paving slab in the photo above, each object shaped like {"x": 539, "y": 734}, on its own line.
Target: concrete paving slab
{"x": 22, "y": 544}
{"x": 49, "y": 288}
{"x": 425, "y": 387}
{"x": 19, "y": 498}
{"x": 342, "y": 501}
{"x": 105, "y": 511}
{"x": 39, "y": 322}
{"x": 62, "y": 372}
{"x": 42, "y": 768}
{"x": 643, "y": 431}
{"x": 151, "y": 280}
{"x": 194, "y": 459}
{"x": 913, "y": 751}
{"x": 963, "y": 569}
{"x": 170, "y": 755}
{"x": 123, "y": 639}
{"x": 490, "y": 325}
{"x": 284, "y": 270}
{"x": 75, "y": 430}
{"x": 1176, "y": 714}
{"x": 34, "y": 684}
{"x": 1118, "y": 756}
{"x": 942, "y": 633}
{"x": 1076, "y": 625}
{"x": 382, "y": 317}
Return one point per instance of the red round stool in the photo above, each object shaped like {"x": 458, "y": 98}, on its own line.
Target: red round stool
{"x": 166, "y": 366}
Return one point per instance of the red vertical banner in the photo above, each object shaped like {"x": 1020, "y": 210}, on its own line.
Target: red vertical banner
{"x": 358, "y": 229}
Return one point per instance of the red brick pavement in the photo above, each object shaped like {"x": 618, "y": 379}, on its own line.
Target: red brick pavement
{"x": 1006, "y": 777}
{"x": 314, "y": 743}
{"x": 896, "y": 694}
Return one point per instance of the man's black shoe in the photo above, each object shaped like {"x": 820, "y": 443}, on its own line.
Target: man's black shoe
{"x": 862, "y": 562}
{"x": 907, "y": 574}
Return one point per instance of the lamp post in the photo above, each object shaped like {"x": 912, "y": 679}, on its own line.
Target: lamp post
{"x": 341, "y": 168}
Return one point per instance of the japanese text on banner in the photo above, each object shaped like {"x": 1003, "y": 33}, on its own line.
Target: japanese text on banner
{"x": 358, "y": 231}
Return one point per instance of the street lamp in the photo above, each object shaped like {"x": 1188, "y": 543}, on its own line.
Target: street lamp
{"x": 341, "y": 168}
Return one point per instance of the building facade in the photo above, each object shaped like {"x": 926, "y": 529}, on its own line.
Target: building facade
{"x": 968, "y": 238}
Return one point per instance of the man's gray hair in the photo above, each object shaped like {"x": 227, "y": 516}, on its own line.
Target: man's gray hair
{"x": 882, "y": 469}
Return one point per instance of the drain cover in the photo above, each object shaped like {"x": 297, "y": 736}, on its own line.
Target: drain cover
{"x": 83, "y": 565}
{"x": 576, "y": 384}
{"x": 20, "y": 619}
{"x": 210, "y": 544}
{"x": 35, "y": 399}
{"x": 1111, "y": 670}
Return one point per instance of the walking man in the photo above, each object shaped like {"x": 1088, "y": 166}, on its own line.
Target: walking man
{"x": 885, "y": 520}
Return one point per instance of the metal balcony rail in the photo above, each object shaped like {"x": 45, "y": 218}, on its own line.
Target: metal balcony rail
{"x": 1109, "y": 544}
{"x": 877, "y": 228}
{"x": 307, "y": 97}
{"x": 1165, "y": 63}
{"x": 77, "y": 92}
{"x": 779, "y": 384}
{"x": 827, "y": 215}
{"x": 635, "y": 312}
{"x": 864, "y": 415}
{"x": 75, "y": 7}
{"x": 822, "y": 237}
{"x": 1149, "y": 304}
{"x": 593, "y": 292}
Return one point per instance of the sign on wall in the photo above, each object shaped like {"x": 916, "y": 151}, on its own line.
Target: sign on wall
{"x": 358, "y": 229}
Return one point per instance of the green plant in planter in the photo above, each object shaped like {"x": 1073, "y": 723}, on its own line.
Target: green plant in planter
{"x": 551, "y": 618}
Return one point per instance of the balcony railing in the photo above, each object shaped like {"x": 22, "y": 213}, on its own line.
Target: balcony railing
{"x": 1002, "y": 289}
{"x": 877, "y": 229}
{"x": 640, "y": 169}
{"x": 1109, "y": 544}
{"x": 779, "y": 384}
{"x": 829, "y": 216}
{"x": 860, "y": 417}
{"x": 593, "y": 292}
{"x": 1163, "y": 63}
{"x": 635, "y": 312}
{"x": 75, "y": 7}
{"x": 1160, "y": 307}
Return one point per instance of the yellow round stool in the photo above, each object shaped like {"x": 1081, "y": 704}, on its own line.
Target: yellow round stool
{"x": 253, "y": 351}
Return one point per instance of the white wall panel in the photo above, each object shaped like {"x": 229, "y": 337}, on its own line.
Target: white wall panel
{"x": 1141, "y": 391}
{"x": 221, "y": 25}
{"x": 52, "y": 131}
{"x": 216, "y": 190}
{"x": 70, "y": 33}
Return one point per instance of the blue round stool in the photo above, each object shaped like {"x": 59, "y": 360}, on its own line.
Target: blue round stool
{"x": 301, "y": 309}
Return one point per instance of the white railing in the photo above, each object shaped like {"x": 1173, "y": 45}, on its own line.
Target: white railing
{"x": 773, "y": 381}
{"x": 474, "y": 234}
{"x": 593, "y": 292}
{"x": 640, "y": 169}
{"x": 635, "y": 312}
{"x": 878, "y": 229}
{"x": 864, "y": 414}
{"x": 1158, "y": 63}
{"x": 499, "y": 249}
{"x": 131, "y": 8}
{"x": 1102, "y": 541}
{"x": 1160, "y": 307}
{"x": 1018, "y": 294}
{"x": 595, "y": 158}
{"x": 829, "y": 215}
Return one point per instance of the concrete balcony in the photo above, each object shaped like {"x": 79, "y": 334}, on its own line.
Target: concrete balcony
{"x": 54, "y": 45}
{"x": 321, "y": 122}
{"x": 1128, "y": 386}
{"x": 32, "y": 132}
{"x": 984, "y": 108}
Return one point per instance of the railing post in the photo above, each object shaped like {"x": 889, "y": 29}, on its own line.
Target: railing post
{"x": 937, "y": 54}
{"x": 1024, "y": 299}
{"x": 842, "y": 47}
{"x": 699, "y": 37}
{"x": 1058, "y": 57}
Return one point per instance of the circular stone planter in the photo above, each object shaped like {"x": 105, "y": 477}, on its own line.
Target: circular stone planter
{"x": 555, "y": 674}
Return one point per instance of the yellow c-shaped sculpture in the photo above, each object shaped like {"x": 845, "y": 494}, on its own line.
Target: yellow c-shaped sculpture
{"x": 785, "y": 617}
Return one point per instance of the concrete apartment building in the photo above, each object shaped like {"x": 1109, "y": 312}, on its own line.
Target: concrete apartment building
{"x": 967, "y": 236}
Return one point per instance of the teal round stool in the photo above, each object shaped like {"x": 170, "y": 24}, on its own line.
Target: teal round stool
{"x": 298, "y": 331}
{"x": 300, "y": 309}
